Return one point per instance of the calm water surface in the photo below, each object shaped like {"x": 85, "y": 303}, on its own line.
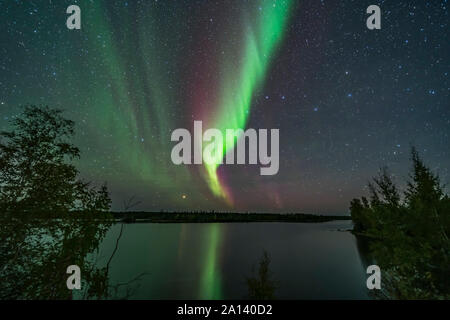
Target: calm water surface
{"x": 212, "y": 261}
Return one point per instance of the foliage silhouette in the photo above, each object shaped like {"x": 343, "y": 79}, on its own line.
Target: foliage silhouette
{"x": 49, "y": 218}
{"x": 261, "y": 286}
{"x": 35, "y": 173}
{"x": 409, "y": 236}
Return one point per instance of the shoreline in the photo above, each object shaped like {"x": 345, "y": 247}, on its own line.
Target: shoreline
{"x": 176, "y": 217}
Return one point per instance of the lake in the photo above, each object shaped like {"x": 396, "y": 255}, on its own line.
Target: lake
{"x": 213, "y": 260}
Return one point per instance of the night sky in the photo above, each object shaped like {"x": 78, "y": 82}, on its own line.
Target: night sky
{"x": 347, "y": 100}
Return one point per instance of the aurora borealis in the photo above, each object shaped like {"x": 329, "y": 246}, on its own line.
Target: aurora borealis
{"x": 346, "y": 99}
{"x": 241, "y": 81}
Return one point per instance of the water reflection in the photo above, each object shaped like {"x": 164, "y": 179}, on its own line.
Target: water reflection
{"x": 182, "y": 261}
{"x": 213, "y": 261}
{"x": 35, "y": 253}
{"x": 211, "y": 287}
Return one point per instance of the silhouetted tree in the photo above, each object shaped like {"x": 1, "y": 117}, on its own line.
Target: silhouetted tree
{"x": 410, "y": 237}
{"x": 35, "y": 169}
{"x": 261, "y": 286}
{"x": 49, "y": 218}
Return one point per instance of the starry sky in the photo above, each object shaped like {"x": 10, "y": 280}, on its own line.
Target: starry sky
{"x": 347, "y": 100}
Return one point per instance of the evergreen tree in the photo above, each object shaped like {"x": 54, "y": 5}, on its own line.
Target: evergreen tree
{"x": 410, "y": 237}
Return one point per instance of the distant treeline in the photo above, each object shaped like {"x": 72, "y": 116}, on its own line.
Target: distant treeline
{"x": 212, "y": 216}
